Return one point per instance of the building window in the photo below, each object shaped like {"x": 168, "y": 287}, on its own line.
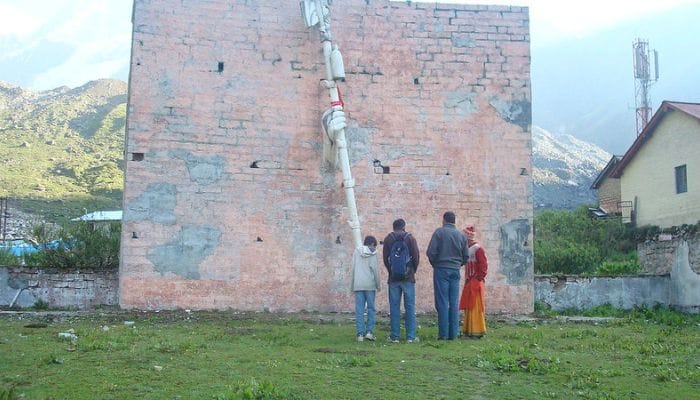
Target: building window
{"x": 681, "y": 179}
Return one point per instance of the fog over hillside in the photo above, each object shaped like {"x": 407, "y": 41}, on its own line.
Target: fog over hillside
{"x": 585, "y": 87}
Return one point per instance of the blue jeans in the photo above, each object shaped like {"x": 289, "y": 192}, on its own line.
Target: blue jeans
{"x": 409, "y": 304}
{"x": 446, "y": 288}
{"x": 362, "y": 298}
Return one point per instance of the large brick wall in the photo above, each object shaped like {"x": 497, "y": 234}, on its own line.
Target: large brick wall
{"x": 227, "y": 202}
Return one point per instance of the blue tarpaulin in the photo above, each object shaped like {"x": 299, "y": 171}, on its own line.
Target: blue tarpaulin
{"x": 19, "y": 248}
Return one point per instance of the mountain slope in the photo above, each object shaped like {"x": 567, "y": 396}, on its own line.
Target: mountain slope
{"x": 63, "y": 144}
{"x": 564, "y": 169}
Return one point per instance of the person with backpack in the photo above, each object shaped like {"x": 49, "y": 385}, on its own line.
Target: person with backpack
{"x": 401, "y": 258}
{"x": 365, "y": 284}
{"x": 447, "y": 252}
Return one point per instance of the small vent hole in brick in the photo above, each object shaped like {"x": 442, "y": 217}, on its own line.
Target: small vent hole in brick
{"x": 134, "y": 235}
{"x": 259, "y": 239}
{"x": 136, "y": 156}
{"x": 220, "y": 68}
{"x": 254, "y": 164}
{"x": 337, "y": 239}
{"x": 379, "y": 168}
{"x": 523, "y": 171}
{"x": 415, "y": 81}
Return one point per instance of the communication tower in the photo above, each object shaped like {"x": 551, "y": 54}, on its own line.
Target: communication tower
{"x": 643, "y": 80}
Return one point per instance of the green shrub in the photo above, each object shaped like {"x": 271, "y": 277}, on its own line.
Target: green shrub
{"x": 8, "y": 259}
{"x": 565, "y": 257}
{"x": 627, "y": 267}
{"x": 252, "y": 390}
{"x": 571, "y": 242}
{"x": 7, "y": 393}
{"x": 78, "y": 246}
{"x": 40, "y": 305}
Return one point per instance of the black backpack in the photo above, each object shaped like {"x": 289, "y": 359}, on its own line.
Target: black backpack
{"x": 399, "y": 257}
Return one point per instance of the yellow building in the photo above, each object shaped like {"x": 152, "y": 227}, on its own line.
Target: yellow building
{"x": 660, "y": 173}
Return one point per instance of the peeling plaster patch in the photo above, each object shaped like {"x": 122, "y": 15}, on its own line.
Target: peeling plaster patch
{"x": 203, "y": 170}
{"x": 183, "y": 255}
{"x": 461, "y": 102}
{"x": 515, "y": 112}
{"x": 438, "y": 184}
{"x": 156, "y": 203}
{"x": 516, "y": 257}
{"x": 357, "y": 138}
{"x": 165, "y": 84}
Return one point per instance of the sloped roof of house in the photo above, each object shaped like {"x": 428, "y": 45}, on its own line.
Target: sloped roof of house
{"x": 609, "y": 167}
{"x": 691, "y": 109}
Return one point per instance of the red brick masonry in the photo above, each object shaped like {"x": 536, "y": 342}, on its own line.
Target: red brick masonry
{"x": 227, "y": 201}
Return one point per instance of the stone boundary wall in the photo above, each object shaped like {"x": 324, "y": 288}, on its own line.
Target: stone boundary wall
{"x": 60, "y": 289}
{"x": 658, "y": 256}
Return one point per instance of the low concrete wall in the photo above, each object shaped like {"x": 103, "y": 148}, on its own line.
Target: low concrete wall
{"x": 60, "y": 289}
{"x": 583, "y": 292}
{"x": 671, "y": 277}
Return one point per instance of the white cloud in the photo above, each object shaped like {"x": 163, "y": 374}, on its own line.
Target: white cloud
{"x": 95, "y": 34}
{"x": 556, "y": 20}
{"x": 15, "y": 22}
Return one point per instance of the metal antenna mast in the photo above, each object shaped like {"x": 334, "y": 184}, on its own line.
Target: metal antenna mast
{"x": 316, "y": 12}
{"x": 642, "y": 81}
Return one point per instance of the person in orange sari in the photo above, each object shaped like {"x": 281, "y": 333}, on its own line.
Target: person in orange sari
{"x": 472, "y": 300}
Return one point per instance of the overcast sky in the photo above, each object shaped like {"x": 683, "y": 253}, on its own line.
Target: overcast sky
{"x": 95, "y": 36}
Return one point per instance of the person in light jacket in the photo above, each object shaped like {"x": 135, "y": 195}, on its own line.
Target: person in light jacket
{"x": 365, "y": 284}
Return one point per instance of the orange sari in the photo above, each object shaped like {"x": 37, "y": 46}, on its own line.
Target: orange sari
{"x": 472, "y": 299}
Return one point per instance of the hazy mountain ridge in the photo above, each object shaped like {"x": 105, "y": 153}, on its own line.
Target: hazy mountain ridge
{"x": 564, "y": 169}
{"x": 63, "y": 143}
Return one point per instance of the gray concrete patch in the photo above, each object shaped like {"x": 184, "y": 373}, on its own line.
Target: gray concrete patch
{"x": 183, "y": 255}
{"x": 156, "y": 203}
{"x": 515, "y": 112}
{"x": 516, "y": 256}
{"x": 203, "y": 170}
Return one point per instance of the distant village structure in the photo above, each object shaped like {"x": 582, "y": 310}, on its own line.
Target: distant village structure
{"x": 654, "y": 183}
{"x": 227, "y": 200}
{"x": 658, "y": 174}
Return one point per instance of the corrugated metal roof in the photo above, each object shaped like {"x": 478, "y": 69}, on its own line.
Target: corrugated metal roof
{"x": 101, "y": 216}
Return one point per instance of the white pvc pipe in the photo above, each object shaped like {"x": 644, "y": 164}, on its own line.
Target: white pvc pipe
{"x": 340, "y": 140}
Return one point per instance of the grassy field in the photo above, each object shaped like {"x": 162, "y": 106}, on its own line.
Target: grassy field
{"x": 227, "y": 355}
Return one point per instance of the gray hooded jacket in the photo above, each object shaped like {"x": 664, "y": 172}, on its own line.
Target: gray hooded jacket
{"x": 365, "y": 269}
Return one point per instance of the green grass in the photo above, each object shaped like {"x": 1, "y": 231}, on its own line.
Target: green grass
{"x": 229, "y": 355}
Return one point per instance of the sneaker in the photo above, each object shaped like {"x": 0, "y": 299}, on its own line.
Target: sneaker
{"x": 394, "y": 340}
{"x": 416, "y": 340}
{"x": 360, "y": 338}
{"x": 369, "y": 336}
